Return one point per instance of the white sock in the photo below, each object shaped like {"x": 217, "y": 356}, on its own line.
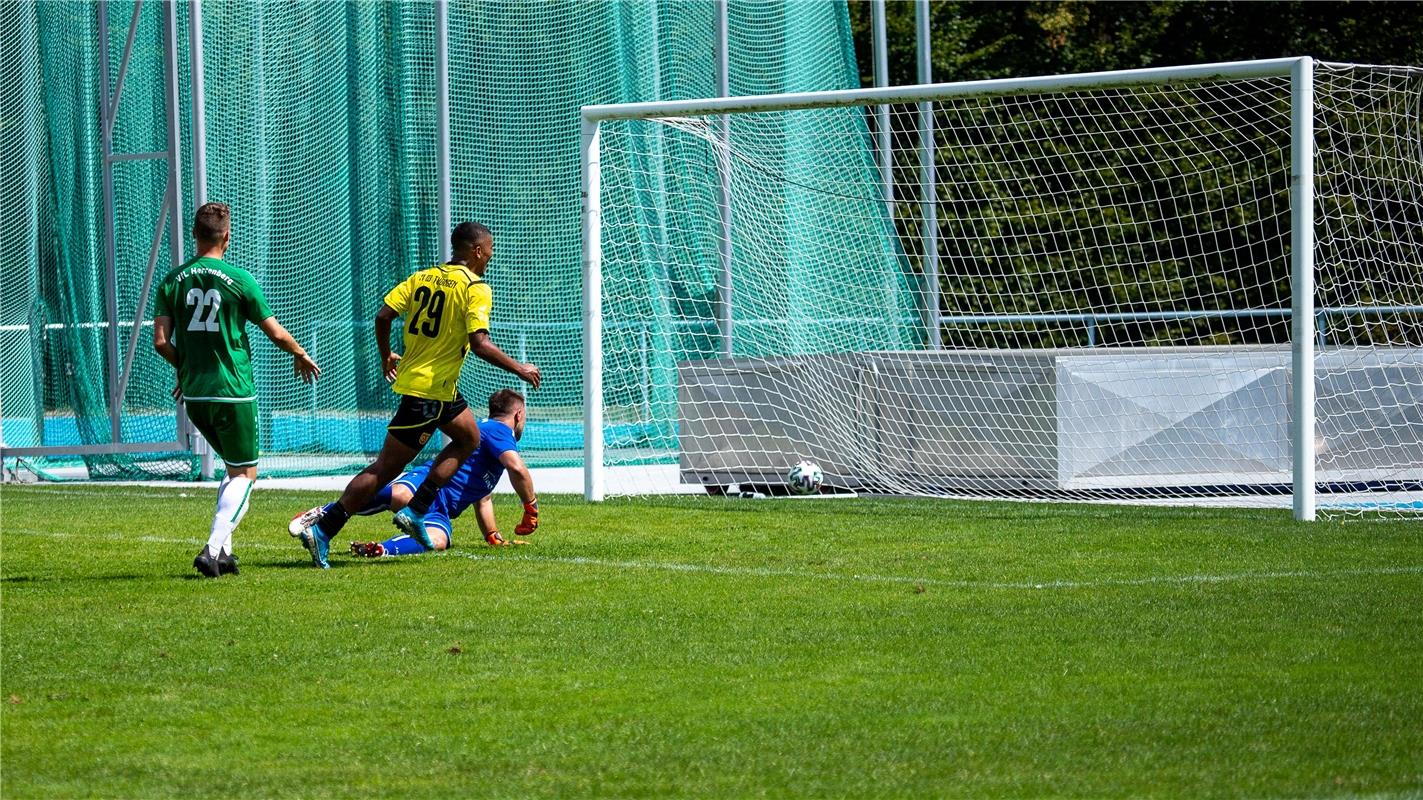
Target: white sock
{"x": 232, "y": 503}
{"x": 215, "y": 539}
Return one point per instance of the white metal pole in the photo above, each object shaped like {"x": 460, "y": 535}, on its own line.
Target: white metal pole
{"x": 200, "y": 142}
{"x": 443, "y": 205}
{"x": 929, "y": 189}
{"x": 593, "y": 489}
{"x": 881, "y": 57}
{"x": 111, "y": 289}
{"x": 1302, "y": 283}
{"x": 175, "y": 164}
{"x": 723, "y": 89}
{"x": 836, "y": 98}
{"x": 658, "y": 134}
{"x": 206, "y": 462}
{"x": 442, "y": 121}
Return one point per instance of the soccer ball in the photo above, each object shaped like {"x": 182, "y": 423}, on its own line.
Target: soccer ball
{"x": 805, "y": 478}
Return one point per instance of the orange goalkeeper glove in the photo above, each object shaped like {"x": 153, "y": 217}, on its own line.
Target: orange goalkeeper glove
{"x": 530, "y": 522}
{"x": 493, "y": 539}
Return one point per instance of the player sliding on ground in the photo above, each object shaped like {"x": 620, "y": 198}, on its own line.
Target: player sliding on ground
{"x": 212, "y": 301}
{"x": 445, "y": 311}
{"x": 472, "y": 485}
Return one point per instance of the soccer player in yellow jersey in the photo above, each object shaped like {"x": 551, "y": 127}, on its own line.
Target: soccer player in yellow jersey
{"x": 444, "y": 312}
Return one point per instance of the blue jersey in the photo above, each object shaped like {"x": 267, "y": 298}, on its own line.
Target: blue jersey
{"x": 480, "y": 473}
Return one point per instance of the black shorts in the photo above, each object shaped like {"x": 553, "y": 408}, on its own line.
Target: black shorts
{"x": 417, "y": 418}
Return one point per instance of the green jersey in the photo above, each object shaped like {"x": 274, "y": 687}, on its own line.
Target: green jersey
{"x": 210, "y": 302}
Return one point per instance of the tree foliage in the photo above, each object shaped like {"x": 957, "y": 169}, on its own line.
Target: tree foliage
{"x": 978, "y": 40}
{"x": 1031, "y": 203}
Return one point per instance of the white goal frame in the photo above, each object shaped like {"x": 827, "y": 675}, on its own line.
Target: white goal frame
{"x": 1300, "y": 72}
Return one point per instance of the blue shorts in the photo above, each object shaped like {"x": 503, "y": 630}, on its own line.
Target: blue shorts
{"x": 438, "y": 515}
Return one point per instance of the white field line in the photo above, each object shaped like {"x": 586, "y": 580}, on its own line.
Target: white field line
{"x": 198, "y": 489}
{"x": 758, "y": 572}
{"x": 957, "y": 584}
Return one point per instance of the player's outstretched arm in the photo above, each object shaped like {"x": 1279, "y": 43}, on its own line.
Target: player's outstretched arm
{"x": 389, "y": 360}
{"x": 484, "y": 515}
{"x": 163, "y": 339}
{"x": 485, "y": 348}
{"x": 302, "y": 365}
{"x": 523, "y": 484}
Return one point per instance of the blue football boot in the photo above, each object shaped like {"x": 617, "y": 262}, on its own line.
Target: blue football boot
{"x": 413, "y": 525}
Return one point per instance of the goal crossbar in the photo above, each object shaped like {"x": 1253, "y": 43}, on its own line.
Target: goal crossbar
{"x": 1045, "y": 84}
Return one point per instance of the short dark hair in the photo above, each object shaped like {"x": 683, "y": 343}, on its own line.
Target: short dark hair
{"x": 468, "y": 234}
{"x": 504, "y": 401}
{"x": 211, "y": 221}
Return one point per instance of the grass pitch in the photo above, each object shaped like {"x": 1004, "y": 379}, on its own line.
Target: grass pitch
{"x": 707, "y": 647}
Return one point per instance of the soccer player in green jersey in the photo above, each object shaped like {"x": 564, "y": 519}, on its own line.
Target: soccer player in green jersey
{"x": 211, "y": 302}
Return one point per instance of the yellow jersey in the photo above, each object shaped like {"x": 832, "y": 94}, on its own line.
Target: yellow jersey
{"x": 439, "y": 308}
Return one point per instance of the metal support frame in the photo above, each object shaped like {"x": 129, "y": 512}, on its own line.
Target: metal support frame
{"x": 138, "y": 315}
{"x": 119, "y": 369}
{"x": 723, "y": 89}
{"x": 175, "y": 158}
{"x": 1302, "y": 284}
{"x": 110, "y": 107}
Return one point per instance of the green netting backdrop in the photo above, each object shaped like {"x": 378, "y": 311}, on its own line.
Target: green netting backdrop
{"x": 321, "y": 134}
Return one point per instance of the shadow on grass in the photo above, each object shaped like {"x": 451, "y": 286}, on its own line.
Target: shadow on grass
{"x": 336, "y": 563}
{"x": 247, "y": 564}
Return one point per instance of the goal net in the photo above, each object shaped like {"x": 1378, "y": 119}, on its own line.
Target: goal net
{"x": 322, "y": 132}
{"x": 1085, "y": 287}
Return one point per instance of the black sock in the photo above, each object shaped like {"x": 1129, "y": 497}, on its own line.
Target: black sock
{"x": 424, "y": 496}
{"x": 333, "y": 519}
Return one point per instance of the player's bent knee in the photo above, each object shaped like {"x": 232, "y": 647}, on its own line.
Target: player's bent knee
{"x": 400, "y": 496}
{"x": 467, "y": 444}
{"x": 438, "y": 538}
{"x": 463, "y": 432}
{"x": 387, "y": 468}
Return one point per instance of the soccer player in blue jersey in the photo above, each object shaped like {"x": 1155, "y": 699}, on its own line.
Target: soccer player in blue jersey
{"x": 471, "y": 485}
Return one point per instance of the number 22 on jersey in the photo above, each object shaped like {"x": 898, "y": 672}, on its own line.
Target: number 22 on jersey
{"x": 201, "y": 301}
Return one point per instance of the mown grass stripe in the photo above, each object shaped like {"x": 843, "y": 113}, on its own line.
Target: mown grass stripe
{"x": 758, "y": 572}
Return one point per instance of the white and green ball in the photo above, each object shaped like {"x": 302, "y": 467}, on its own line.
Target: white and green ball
{"x": 805, "y": 478}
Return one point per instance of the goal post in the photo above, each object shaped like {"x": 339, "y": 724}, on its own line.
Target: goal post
{"x": 1123, "y": 272}
{"x": 1302, "y": 286}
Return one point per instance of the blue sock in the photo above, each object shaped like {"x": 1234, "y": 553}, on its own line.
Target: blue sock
{"x": 402, "y": 545}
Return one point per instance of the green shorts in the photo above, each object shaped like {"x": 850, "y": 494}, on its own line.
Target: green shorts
{"x": 231, "y": 429}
